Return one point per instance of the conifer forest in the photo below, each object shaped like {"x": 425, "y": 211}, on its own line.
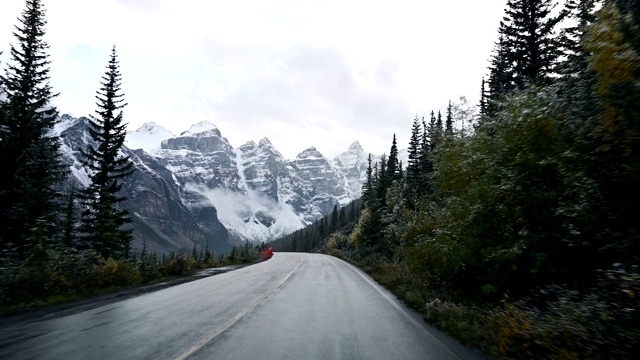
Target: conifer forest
{"x": 512, "y": 225}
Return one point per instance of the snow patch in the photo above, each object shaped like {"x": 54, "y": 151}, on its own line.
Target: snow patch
{"x": 202, "y": 128}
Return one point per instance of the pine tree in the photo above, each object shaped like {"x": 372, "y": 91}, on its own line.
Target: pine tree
{"x": 393, "y": 166}
{"x": 431, "y": 132}
{"x": 527, "y": 50}
{"x": 413, "y": 168}
{"x": 483, "y": 99}
{"x": 333, "y": 226}
{"x": 369, "y": 184}
{"x": 69, "y": 222}
{"x": 448, "y": 127}
{"x": 500, "y": 76}
{"x": 576, "y": 58}
{"x": 102, "y": 219}
{"x": 426, "y": 164}
{"x": 30, "y": 161}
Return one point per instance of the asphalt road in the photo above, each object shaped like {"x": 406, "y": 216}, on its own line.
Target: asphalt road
{"x": 294, "y": 306}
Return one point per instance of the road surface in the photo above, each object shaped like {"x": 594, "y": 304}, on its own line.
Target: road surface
{"x": 294, "y": 306}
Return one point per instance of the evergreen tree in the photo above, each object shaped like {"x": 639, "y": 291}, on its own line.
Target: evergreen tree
{"x": 431, "y": 133}
{"x": 394, "y": 172}
{"x": 500, "y": 76}
{"x": 368, "y": 186}
{"x": 426, "y": 164}
{"x": 582, "y": 14}
{"x": 414, "y": 168}
{"x": 334, "y": 219}
{"x": 69, "y": 224}
{"x": 483, "y": 99}
{"x": 342, "y": 217}
{"x": 102, "y": 219}
{"x": 528, "y": 48}
{"x": 448, "y": 127}
{"x": 30, "y": 161}
{"x": 439, "y": 129}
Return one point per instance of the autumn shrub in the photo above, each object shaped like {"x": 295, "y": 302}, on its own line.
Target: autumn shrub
{"x": 116, "y": 273}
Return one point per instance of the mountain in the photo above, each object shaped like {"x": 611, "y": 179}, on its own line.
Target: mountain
{"x": 353, "y": 164}
{"x": 148, "y": 137}
{"x": 166, "y": 215}
{"x": 196, "y": 187}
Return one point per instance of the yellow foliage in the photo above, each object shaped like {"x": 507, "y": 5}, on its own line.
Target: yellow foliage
{"x": 614, "y": 61}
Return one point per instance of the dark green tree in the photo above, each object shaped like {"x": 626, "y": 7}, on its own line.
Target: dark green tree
{"x": 30, "y": 161}
{"x": 333, "y": 225}
{"x": 426, "y": 162}
{"x": 527, "y": 50}
{"x": 394, "y": 172}
{"x": 102, "y": 218}
{"x": 582, "y": 14}
{"x": 448, "y": 125}
{"x": 414, "y": 168}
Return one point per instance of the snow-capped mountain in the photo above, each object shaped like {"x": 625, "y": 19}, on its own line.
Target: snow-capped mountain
{"x": 165, "y": 214}
{"x": 198, "y": 187}
{"x": 148, "y": 137}
{"x": 353, "y": 164}
{"x": 259, "y": 195}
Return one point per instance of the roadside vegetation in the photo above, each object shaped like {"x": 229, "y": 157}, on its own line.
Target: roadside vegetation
{"x": 59, "y": 244}
{"x": 513, "y": 226}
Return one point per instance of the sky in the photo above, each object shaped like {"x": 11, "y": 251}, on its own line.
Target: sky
{"x": 302, "y": 73}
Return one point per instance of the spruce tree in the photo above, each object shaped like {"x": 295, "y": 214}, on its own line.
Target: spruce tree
{"x": 393, "y": 165}
{"x": 426, "y": 164}
{"x": 528, "y": 48}
{"x": 30, "y": 161}
{"x": 500, "y": 76}
{"x": 483, "y": 99}
{"x": 582, "y": 14}
{"x": 448, "y": 125}
{"x": 413, "y": 168}
{"x": 333, "y": 226}
{"x": 368, "y": 188}
{"x": 102, "y": 218}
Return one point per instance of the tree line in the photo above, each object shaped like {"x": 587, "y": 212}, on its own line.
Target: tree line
{"x": 518, "y": 234}
{"x": 57, "y": 241}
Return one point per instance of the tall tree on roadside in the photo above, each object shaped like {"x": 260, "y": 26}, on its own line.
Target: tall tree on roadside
{"x": 582, "y": 14}
{"x": 413, "y": 167}
{"x": 30, "y": 161}
{"x": 448, "y": 124}
{"x": 102, "y": 219}
{"x": 528, "y": 48}
{"x": 394, "y": 172}
{"x": 426, "y": 164}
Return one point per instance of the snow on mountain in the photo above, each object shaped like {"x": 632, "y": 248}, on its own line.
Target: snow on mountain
{"x": 254, "y": 192}
{"x": 166, "y": 215}
{"x": 148, "y": 137}
{"x": 353, "y": 164}
{"x": 203, "y": 128}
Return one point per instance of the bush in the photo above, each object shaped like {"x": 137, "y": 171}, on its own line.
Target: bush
{"x": 116, "y": 273}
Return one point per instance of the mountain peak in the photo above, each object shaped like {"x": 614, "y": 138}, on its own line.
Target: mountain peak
{"x": 202, "y": 128}
{"x": 356, "y": 147}
{"x": 265, "y": 142}
{"x": 309, "y": 153}
{"x": 152, "y": 128}
{"x": 148, "y": 137}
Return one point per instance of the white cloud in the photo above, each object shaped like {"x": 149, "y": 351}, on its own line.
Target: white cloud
{"x": 322, "y": 73}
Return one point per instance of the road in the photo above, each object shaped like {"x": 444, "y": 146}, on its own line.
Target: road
{"x": 294, "y": 306}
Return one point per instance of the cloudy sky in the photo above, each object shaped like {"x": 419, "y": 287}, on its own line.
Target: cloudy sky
{"x": 302, "y": 73}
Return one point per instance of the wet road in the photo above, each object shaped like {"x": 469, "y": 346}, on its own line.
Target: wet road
{"x": 294, "y": 306}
